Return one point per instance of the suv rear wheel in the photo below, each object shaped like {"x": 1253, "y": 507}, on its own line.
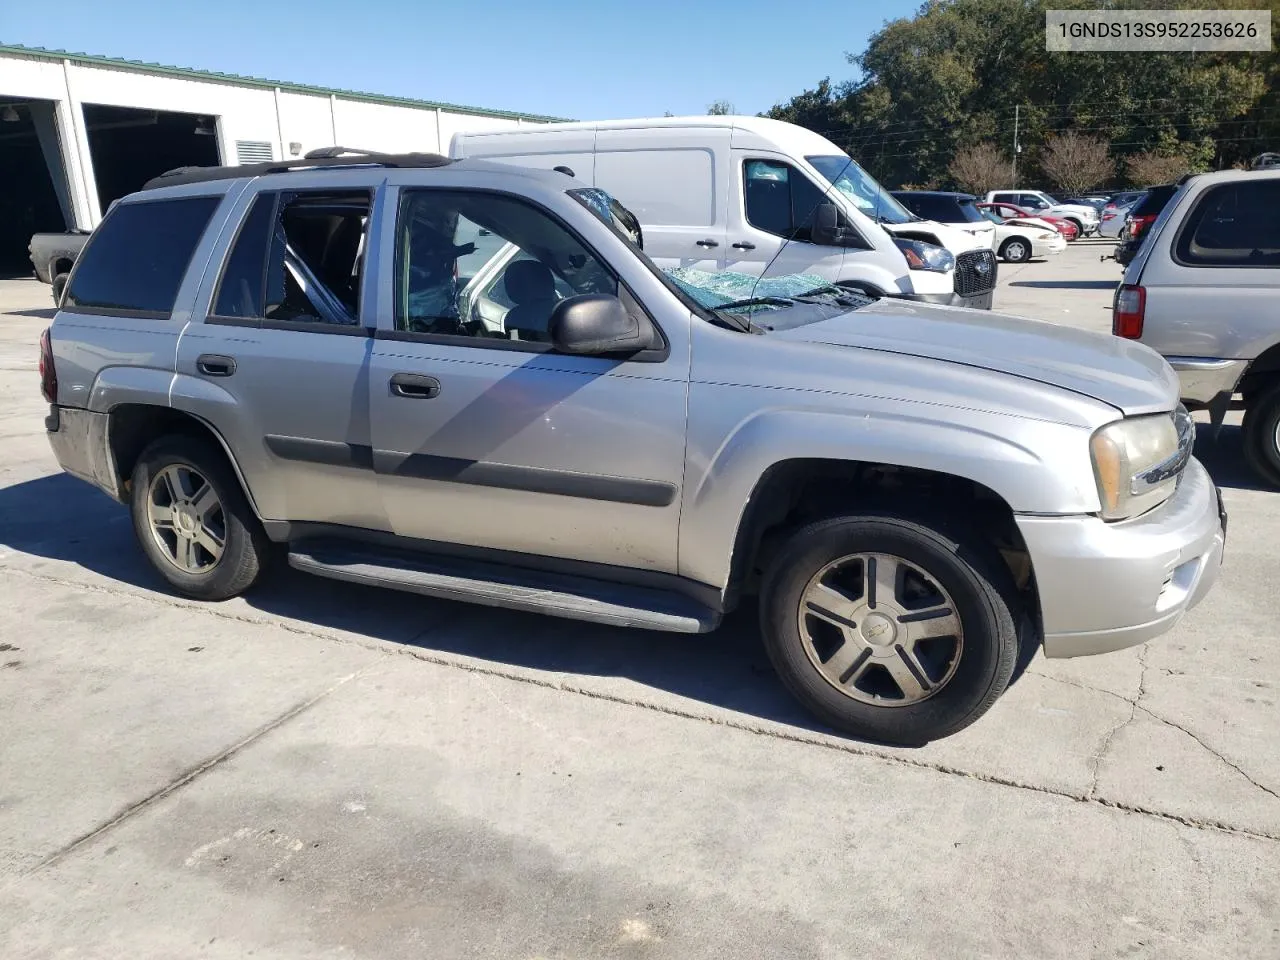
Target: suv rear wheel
{"x": 888, "y": 629}
{"x": 193, "y": 521}
{"x": 1261, "y": 428}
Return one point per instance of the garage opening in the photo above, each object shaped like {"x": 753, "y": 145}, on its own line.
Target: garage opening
{"x": 33, "y": 189}
{"x": 129, "y": 146}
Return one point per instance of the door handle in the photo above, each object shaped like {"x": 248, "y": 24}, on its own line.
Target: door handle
{"x": 215, "y": 365}
{"x": 707, "y": 243}
{"x": 414, "y": 386}
{"x": 744, "y": 246}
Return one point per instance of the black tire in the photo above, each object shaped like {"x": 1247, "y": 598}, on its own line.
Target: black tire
{"x": 979, "y": 585}
{"x": 246, "y": 549}
{"x": 1078, "y": 225}
{"x": 1016, "y": 250}
{"x": 59, "y": 283}
{"x": 1261, "y": 420}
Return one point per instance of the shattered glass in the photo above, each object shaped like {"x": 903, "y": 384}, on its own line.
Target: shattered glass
{"x": 715, "y": 289}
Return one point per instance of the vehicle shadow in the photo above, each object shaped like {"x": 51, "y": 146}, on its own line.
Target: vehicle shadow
{"x": 1066, "y": 284}
{"x": 44, "y": 314}
{"x": 62, "y": 518}
{"x": 1222, "y": 453}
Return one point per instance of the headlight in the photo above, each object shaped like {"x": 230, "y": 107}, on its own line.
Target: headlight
{"x": 925, "y": 256}
{"x": 1137, "y": 461}
{"x": 1046, "y": 236}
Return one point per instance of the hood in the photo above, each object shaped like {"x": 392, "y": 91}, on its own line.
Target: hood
{"x": 1127, "y": 375}
{"x": 957, "y": 241}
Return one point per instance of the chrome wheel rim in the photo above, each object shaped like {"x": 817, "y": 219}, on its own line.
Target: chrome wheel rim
{"x": 1015, "y": 251}
{"x": 186, "y": 519}
{"x": 880, "y": 630}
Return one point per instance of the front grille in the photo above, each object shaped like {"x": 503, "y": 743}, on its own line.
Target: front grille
{"x": 971, "y": 278}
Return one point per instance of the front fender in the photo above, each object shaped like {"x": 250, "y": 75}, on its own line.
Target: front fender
{"x": 1034, "y": 466}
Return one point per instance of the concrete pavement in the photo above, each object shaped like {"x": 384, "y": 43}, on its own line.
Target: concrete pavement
{"x": 324, "y": 770}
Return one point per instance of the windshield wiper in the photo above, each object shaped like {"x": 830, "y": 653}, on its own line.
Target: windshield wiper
{"x": 756, "y": 302}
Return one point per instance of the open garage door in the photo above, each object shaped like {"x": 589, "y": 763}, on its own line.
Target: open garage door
{"x": 33, "y": 182}
{"x": 129, "y": 146}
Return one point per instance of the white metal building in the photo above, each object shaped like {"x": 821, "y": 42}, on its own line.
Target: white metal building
{"x": 78, "y": 131}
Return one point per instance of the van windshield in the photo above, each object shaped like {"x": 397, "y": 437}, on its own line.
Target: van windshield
{"x": 860, "y": 187}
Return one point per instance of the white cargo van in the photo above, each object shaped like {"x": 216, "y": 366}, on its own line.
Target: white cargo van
{"x": 756, "y": 196}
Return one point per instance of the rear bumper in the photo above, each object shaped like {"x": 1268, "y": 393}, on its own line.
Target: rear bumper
{"x": 1106, "y": 586}
{"x": 1204, "y": 379}
{"x": 79, "y": 441}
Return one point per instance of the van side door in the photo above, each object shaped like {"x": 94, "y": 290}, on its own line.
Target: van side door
{"x": 1212, "y": 280}
{"x": 676, "y": 181}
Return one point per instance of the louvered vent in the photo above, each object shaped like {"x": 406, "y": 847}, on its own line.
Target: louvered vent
{"x": 253, "y": 151}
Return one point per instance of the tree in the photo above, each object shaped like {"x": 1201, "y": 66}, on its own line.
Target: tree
{"x": 980, "y": 168}
{"x": 953, "y": 74}
{"x": 1076, "y": 162}
{"x": 721, "y": 108}
{"x": 1151, "y": 167}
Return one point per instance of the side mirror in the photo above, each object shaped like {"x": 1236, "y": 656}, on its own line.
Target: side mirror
{"x": 596, "y": 323}
{"x": 825, "y": 231}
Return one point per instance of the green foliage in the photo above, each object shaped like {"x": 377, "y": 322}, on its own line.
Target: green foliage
{"x": 949, "y": 79}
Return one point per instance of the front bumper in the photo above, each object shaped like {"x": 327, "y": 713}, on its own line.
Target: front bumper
{"x": 1105, "y": 586}
{"x": 1204, "y": 379}
{"x": 981, "y": 301}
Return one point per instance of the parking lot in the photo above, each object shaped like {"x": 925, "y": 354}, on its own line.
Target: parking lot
{"x": 323, "y": 770}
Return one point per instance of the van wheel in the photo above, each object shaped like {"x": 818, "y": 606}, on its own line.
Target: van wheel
{"x": 1016, "y": 250}
{"x": 1261, "y": 429}
{"x": 890, "y": 630}
{"x": 59, "y": 283}
{"x": 193, "y": 521}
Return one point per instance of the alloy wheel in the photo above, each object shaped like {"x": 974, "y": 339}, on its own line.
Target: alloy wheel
{"x": 186, "y": 518}
{"x": 880, "y": 629}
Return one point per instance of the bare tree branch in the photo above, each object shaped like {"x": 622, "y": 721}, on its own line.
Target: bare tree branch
{"x": 1076, "y": 162}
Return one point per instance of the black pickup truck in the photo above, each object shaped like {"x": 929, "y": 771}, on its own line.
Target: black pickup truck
{"x": 53, "y": 254}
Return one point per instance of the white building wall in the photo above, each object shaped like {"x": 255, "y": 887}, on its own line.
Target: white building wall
{"x": 276, "y": 116}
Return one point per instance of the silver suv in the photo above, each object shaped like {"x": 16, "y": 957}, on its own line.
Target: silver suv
{"x": 1204, "y": 291}
{"x": 322, "y": 358}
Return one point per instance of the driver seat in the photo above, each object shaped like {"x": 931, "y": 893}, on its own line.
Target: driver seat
{"x": 531, "y": 286}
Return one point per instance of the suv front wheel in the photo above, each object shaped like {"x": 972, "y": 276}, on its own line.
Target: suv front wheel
{"x": 888, "y": 629}
{"x": 193, "y": 521}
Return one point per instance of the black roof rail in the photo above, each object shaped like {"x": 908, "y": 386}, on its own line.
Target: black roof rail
{"x": 315, "y": 159}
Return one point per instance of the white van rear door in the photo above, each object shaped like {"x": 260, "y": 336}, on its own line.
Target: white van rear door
{"x": 675, "y": 181}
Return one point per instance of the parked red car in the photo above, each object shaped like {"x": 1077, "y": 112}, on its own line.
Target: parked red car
{"x": 1007, "y": 211}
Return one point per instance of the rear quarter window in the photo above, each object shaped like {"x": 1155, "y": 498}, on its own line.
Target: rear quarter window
{"x": 135, "y": 261}
{"x": 1233, "y": 225}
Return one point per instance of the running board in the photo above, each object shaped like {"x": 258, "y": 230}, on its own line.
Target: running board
{"x": 516, "y": 588}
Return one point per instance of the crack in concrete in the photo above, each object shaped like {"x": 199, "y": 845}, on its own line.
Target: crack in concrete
{"x": 189, "y": 775}
{"x": 1138, "y": 706}
{"x": 759, "y": 728}
{"x": 1177, "y": 726}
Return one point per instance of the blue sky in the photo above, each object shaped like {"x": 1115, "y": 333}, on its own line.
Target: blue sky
{"x": 583, "y": 59}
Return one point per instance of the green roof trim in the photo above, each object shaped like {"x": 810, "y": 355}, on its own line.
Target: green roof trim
{"x": 189, "y": 73}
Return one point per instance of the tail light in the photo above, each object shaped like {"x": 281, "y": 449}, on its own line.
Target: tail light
{"x": 1138, "y": 224}
{"x": 48, "y": 375}
{"x": 1130, "y": 311}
